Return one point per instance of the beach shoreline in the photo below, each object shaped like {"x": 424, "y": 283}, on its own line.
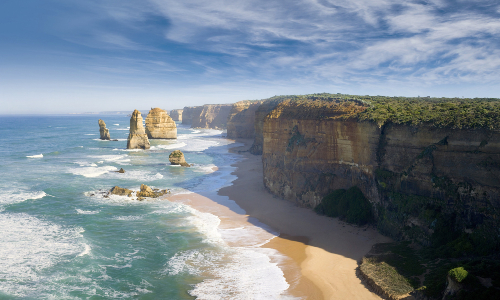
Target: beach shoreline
{"x": 321, "y": 253}
{"x": 327, "y": 250}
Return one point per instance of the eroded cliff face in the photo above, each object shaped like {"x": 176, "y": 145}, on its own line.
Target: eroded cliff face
{"x": 260, "y": 114}
{"x": 189, "y": 112}
{"x": 422, "y": 180}
{"x": 212, "y": 116}
{"x": 241, "y": 119}
{"x": 176, "y": 114}
{"x": 159, "y": 125}
{"x": 137, "y": 137}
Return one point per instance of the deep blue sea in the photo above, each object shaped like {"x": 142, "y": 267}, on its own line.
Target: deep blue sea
{"x": 60, "y": 239}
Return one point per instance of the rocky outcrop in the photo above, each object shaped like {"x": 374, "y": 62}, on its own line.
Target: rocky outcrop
{"x": 176, "y": 114}
{"x": 177, "y": 158}
{"x": 121, "y": 191}
{"x": 241, "y": 119}
{"x": 147, "y": 192}
{"x": 137, "y": 138}
{"x": 424, "y": 182}
{"x": 159, "y": 125}
{"x": 189, "y": 112}
{"x": 212, "y": 116}
{"x": 103, "y": 130}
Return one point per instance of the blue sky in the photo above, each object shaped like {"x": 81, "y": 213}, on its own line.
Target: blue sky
{"x": 59, "y": 56}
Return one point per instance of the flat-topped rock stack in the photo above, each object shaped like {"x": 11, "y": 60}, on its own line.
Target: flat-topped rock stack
{"x": 159, "y": 125}
{"x": 137, "y": 138}
{"x": 103, "y": 130}
{"x": 176, "y": 114}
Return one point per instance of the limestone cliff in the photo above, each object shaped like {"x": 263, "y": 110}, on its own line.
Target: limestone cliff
{"x": 176, "y": 115}
{"x": 425, "y": 182}
{"x": 189, "y": 112}
{"x": 104, "y": 132}
{"x": 212, "y": 116}
{"x": 241, "y": 119}
{"x": 159, "y": 125}
{"x": 137, "y": 138}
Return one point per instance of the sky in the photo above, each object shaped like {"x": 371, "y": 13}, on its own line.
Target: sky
{"x": 60, "y": 56}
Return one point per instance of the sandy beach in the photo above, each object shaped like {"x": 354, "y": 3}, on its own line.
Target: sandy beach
{"x": 322, "y": 252}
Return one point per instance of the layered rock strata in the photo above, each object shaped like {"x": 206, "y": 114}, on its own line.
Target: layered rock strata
{"x": 176, "y": 114}
{"x": 177, "y": 158}
{"x": 137, "y": 138}
{"x": 241, "y": 119}
{"x": 189, "y": 112}
{"x": 260, "y": 114}
{"x": 422, "y": 180}
{"x": 104, "y": 132}
{"x": 159, "y": 125}
{"x": 212, "y": 116}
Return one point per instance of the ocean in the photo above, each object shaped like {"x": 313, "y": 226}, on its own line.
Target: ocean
{"x": 61, "y": 239}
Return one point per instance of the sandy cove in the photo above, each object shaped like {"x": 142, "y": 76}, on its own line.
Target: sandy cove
{"x": 323, "y": 251}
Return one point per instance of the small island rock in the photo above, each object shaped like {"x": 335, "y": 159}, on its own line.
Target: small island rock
{"x": 103, "y": 130}
{"x": 120, "y": 191}
{"x": 137, "y": 138}
{"x": 146, "y": 191}
{"x": 177, "y": 158}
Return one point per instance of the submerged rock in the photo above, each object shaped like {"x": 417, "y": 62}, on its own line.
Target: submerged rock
{"x": 137, "y": 138}
{"x": 103, "y": 130}
{"x": 120, "y": 171}
{"x": 159, "y": 125}
{"x": 177, "y": 158}
{"x": 121, "y": 191}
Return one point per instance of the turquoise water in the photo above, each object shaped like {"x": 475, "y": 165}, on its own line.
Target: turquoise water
{"x": 61, "y": 239}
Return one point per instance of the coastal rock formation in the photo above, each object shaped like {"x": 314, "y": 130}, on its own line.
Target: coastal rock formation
{"x": 176, "y": 114}
{"x": 121, "y": 191}
{"x": 147, "y": 192}
{"x": 177, "y": 158}
{"x": 241, "y": 119}
{"x": 212, "y": 116}
{"x": 189, "y": 112}
{"x": 103, "y": 130}
{"x": 260, "y": 114}
{"x": 159, "y": 125}
{"x": 422, "y": 180}
{"x": 137, "y": 138}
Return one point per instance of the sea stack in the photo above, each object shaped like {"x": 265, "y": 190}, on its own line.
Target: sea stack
{"x": 103, "y": 130}
{"x": 159, "y": 125}
{"x": 176, "y": 115}
{"x": 177, "y": 158}
{"x": 137, "y": 138}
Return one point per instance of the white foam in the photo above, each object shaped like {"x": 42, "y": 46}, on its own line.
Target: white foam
{"x": 35, "y": 156}
{"x": 116, "y": 124}
{"x": 90, "y": 134}
{"x": 86, "y": 251}
{"x": 127, "y": 218}
{"x": 19, "y": 195}
{"x": 121, "y": 159}
{"x": 28, "y": 246}
{"x": 92, "y": 171}
{"x": 169, "y": 147}
{"x": 207, "y": 169}
{"x": 137, "y": 175}
{"x": 87, "y": 212}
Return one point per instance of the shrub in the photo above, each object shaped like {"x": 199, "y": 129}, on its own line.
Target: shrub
{"x": 458, "y": 274}
{"x": 349, "y": 205}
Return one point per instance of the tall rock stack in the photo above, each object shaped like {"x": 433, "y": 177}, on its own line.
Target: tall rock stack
{"x": 159, "y": 125}
{"x": 137, "y": 138}
{"x": 103, "y": 130}
{"x": 176, "y": 115}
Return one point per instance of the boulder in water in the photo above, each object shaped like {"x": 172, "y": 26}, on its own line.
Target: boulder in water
{"x": 146, "y": 191}
{"x": 137, "y": 138}
{"x": 103, "y": 130}
{"x": 177, "y": 158}
{"x": 120, "y": 191}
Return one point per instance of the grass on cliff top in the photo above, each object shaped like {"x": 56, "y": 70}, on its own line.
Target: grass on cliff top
{"x": 440, "y": 112}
